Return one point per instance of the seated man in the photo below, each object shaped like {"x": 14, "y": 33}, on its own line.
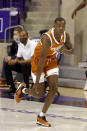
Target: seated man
{"x": 25, "y": 50}
{"x": 12, "y": 54}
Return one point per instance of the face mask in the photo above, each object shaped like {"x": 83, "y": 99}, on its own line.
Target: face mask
{"x": 23, "y": 40}
{"x": 16, "y": 38}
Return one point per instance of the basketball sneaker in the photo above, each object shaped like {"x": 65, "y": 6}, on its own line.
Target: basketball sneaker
{"x": 42, "y": 121}
{"x": 19, "y": 94}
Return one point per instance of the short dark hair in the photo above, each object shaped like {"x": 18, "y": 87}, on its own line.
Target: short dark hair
{"x": 19, "y": 29}
{"x": 60, "y": 19}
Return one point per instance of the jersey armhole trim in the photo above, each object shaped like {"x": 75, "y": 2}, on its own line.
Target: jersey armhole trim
{"x": 49, "y": 37}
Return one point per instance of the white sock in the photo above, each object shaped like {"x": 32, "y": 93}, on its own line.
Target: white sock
{"x": 42, "y": 114}
{"x": 23, "y": 91}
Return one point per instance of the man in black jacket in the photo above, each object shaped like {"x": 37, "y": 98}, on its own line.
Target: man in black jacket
{"x": 11, "y": 54}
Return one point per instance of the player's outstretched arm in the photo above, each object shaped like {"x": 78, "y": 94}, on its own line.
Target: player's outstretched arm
{"x": 82, "y": 5}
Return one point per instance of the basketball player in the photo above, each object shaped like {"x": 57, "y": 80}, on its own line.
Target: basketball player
{"x": 82, "y": 5}
{"x": 44, "y": 64}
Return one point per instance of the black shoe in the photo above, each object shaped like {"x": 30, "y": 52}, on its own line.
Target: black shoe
{"x": 11, "y": 90}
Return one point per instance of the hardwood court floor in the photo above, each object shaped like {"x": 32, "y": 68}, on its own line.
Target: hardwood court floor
{"x": 68, "y": 113}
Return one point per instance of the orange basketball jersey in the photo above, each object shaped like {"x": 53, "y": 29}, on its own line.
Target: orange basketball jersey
{"x": 52, "y": 51}
{"x": 55, "y": 45}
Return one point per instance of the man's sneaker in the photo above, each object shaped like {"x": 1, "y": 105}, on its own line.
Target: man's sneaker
{"x": 18, "y": 96}
{"x": 85, "y": 87}
{"x": 42, "y": 121}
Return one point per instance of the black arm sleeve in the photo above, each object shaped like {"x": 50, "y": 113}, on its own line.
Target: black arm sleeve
{"x": 13, "y": 49}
